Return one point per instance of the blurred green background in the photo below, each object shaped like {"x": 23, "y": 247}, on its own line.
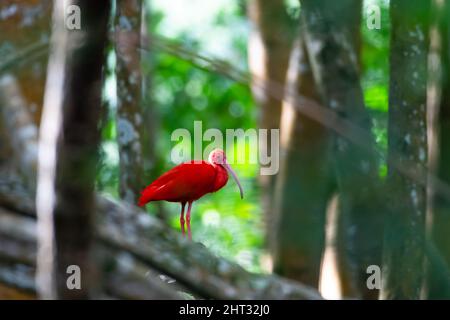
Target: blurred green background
{"x": 183, "y": 93}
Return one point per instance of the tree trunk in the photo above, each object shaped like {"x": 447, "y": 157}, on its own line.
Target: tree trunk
{"x": 303, "y": 186}
{"x": 403, "y": 256}
{"x": 330, "y": 42}
{"x": 268, "y": 54}
{"x": 439, "y": 147}
{"x": 130, "y": 122}
{"x": 351, "y": 282}
{"x": 68, "y": 150}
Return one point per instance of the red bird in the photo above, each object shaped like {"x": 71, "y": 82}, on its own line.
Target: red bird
{"x": 190, "y": 181}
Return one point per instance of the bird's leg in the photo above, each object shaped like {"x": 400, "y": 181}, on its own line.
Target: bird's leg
{"x": 183, "y": 204}
{"x": 188, "y": 219}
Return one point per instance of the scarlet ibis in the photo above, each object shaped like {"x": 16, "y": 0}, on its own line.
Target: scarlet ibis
{"x": 190, "y": 181}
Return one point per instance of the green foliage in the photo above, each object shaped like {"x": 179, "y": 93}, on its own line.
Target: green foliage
{"x": 375, "y": 71}
{"x": 182, "y": 93}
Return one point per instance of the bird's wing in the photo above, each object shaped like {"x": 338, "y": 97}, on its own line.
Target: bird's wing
{"x": 185, "y": 182}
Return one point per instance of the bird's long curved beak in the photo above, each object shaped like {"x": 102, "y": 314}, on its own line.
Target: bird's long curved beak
{"x": 233, "y": 174}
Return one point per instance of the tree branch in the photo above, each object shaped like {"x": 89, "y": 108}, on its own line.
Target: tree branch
{"x": 125, "y": 229}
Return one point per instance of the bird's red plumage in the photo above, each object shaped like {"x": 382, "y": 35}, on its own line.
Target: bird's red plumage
{"x": 186, "y": 182}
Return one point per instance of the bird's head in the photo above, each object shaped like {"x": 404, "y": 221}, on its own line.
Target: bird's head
{"x": 217, "y": 156}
